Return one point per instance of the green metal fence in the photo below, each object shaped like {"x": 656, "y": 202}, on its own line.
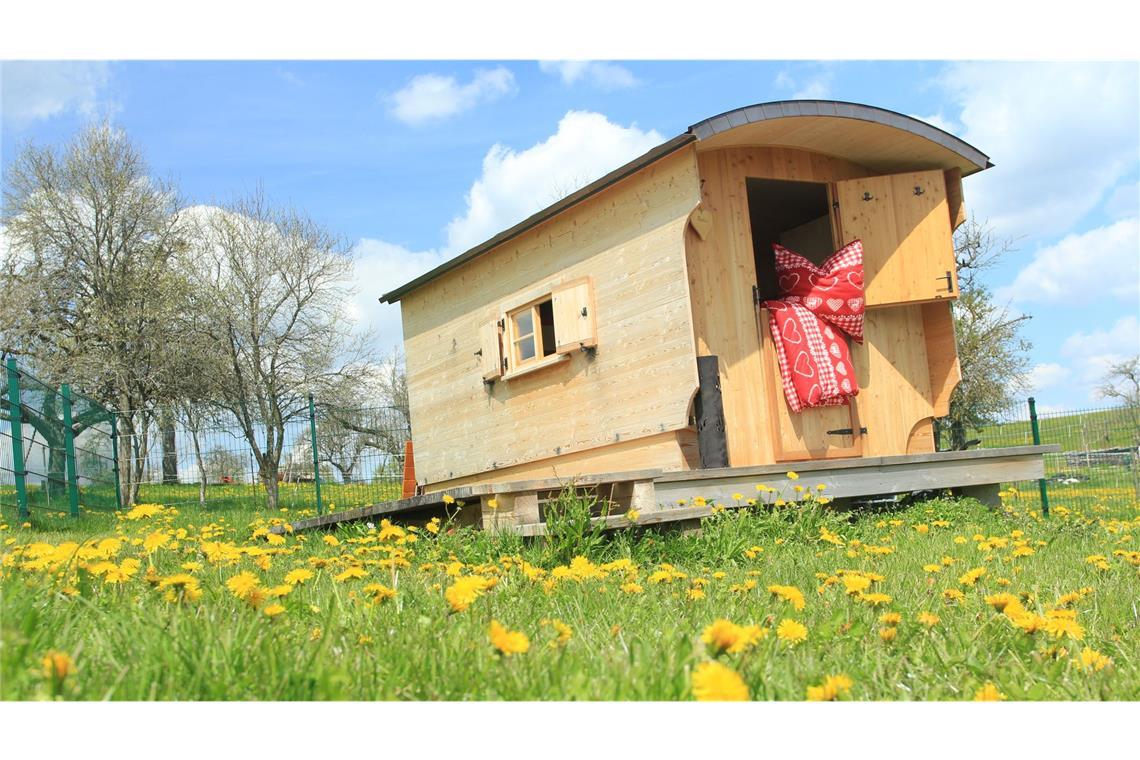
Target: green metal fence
{"x": 1099, "y": 461}
{"x": 57, "y": 448}
{"x": 328, "y": 458}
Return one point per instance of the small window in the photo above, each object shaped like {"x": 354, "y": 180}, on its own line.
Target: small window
{"x": 532, "y": 332}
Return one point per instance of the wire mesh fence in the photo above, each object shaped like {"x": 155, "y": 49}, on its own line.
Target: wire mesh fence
{"x": 57, "y": 451}
{"x": 208, "y": 458}
{"x": 1099, "y": 461}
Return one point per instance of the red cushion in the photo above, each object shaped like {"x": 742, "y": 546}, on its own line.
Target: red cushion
{"x": 833, "y": 291}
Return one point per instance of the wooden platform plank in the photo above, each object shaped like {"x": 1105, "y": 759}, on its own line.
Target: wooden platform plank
{"x": 842, "y": 478}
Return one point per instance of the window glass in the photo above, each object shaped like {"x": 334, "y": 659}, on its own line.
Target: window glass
{"x": 526, "y": 348}
{"x": 524, "y": 323}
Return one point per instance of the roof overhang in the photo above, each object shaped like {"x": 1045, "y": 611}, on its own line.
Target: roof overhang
{"x": 878, "y": 139}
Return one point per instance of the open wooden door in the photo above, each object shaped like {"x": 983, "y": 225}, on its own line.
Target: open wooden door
{"x": 824, "y": 432}
{"x": 904, "y": 223}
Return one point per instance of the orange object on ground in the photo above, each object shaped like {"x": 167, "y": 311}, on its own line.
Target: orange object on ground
{"x": 409, "y": 487}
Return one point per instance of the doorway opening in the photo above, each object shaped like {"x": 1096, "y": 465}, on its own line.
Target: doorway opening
{"x": 795, "y": 214}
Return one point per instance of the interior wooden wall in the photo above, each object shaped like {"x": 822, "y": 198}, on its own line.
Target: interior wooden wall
{"x": 630, "y": 240}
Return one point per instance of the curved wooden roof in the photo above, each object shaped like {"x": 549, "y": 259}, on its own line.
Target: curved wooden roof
{"x": 876, "y": 138}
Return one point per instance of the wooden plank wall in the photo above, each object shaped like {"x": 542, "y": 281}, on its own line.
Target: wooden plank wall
{"x": 630, "y": 240}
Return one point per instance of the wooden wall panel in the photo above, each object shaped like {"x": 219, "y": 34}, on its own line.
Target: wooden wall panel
{"x": 894, "y": 378}
{"x": 941, "y": 354}
{"x": 663, "y": 451}
{"x": 630, "y": 240}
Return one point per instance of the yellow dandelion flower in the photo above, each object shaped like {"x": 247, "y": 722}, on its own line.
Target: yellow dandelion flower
{"x": 632, "y": 588}
{"x": 273, "y": 610}
{"x": 988, "y": 693}
{"x": 331, "y": 540}
{"x": 929, "y": 619}
{"x": 298, "y": 576}
{"x": 243, "y": 584}
{"x": 792, "y": 475}
{"x": 466, "y": 589}
{"x": 57, "y": 665}
{"x": 632, "y": 515}
{"x": 888, "y": 634}
{"x": 507, "y": 642}
{"x": 831, "y": 689}
{"x": 1090, "y": 659}
{"x": 713, "y": 682}
{"x": 791, "y": 631}
{"x": 789, "y": 594}
{"x": 350, "y": 573}
{"x": 890, "y": 618}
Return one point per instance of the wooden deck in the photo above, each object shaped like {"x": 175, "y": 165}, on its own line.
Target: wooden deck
{"x": 657, "y": 495}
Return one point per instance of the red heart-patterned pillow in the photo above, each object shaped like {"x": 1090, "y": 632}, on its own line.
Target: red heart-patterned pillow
{"x": 833, "y": 291}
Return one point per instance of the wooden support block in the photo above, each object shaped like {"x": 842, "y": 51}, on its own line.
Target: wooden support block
{"x": 987, "y": 494}
{"x": 644, "y": 497}
{"x": 509, "y": 510}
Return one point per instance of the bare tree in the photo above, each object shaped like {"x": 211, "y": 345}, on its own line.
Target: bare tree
{"x": 993, "y": 354}
{"x": 276, "y": 286}
{"x": 1122, "y": 382}
{"x": 87, "y": 293}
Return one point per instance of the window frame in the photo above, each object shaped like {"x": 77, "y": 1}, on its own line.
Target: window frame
{"x": 515, "y": 365}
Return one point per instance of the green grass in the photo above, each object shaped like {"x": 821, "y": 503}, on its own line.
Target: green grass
{"x": 127, "y": 642}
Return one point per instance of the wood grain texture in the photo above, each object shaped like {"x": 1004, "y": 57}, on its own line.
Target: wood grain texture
{"x": 894, "y": 378}
{"x": 941, "y": 354}
{"x": 664, "y": 451}
{"x": 629, "y": 240}
{"x": 903, "y": 222}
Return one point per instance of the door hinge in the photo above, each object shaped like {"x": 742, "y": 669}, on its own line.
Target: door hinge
{"x": 949, "y": 281}
{"x": 847, "y": 431}
{"x": 756, "y": 295}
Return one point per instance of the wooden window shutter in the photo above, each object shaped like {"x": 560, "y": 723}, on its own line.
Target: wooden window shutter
{"x": 491, "y": 351}
{"x": 575, "y": 324}
{"x": 904, "y": 223}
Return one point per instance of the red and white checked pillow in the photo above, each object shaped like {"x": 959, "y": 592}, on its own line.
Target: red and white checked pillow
{"x": 833, "y": 291}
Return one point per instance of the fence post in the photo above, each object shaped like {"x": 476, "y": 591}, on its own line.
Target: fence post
{"x": 316, "y": 457}
{"x": 115, "y": 461}
{"x": 1041, "y": 484}
{"x": 16, "y": 426}
{"x": 69, "y": 451}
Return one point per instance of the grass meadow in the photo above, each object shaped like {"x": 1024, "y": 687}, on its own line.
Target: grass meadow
{"x": 938, "y": 600}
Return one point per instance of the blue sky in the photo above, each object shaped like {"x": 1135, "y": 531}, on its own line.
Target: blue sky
{"x": 416, "y": 161}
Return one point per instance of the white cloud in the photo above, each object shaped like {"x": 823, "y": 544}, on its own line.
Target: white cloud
{"x": 432, "y": 96}
{"x": 35, "y": 90}
{"x": 515, "y": 184}
{"x": 1102, "y": 260}
{"x": 1061, "y": 135}
{"x": 607, "y": 76}
{"x": 815, "y": 86}
{"x": 1124, "y": 201}
{"x": 1090, "y": 354}
{"x": 379, "y": 267}
{"x": 1046, "y": 375}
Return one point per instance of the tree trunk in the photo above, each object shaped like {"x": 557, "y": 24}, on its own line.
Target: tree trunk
{"x": 56, "y": 485}
{"x": 269, "y": 480}
{"x": 169, "y": 450}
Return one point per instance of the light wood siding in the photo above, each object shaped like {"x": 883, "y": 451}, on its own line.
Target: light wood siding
{"x": 894, "y": 378}
{"x": 629, "y": 241}
{"x": 904, "y": 223}
{"x": 491, "y": 350}
{"x": 722, "y": 271}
